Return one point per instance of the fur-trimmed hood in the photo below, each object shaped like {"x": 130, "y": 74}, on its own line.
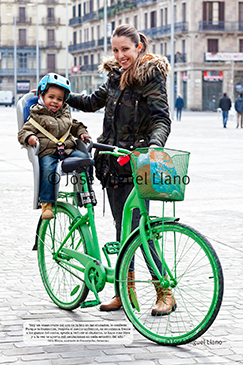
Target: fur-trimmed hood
{"x": 148, "y": 65}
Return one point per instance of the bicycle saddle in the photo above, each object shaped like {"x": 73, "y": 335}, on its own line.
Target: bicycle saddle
{"x": 71, "y": 164}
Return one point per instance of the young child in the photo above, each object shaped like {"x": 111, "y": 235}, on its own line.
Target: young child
{"x": 51, "y": 112}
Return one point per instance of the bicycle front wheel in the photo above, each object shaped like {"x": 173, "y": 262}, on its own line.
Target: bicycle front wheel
{"x": 64, "y": 284}
{"x": 197, "y": 289}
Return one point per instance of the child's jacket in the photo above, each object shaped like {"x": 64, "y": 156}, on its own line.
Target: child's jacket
{"x": 55, "y": 123}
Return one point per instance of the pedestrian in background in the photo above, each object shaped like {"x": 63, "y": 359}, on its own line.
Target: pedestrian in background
{"x": 239, "y": 109}
{"x": 179, "y": 104}
{"x": 225, "y": 105}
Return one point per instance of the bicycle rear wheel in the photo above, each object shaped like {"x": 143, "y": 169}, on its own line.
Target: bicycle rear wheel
{"x": 198, "y": 292}
{"x": 64, "y": 284}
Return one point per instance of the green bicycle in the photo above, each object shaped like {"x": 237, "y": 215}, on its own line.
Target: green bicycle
{"x": 70, "y": 263}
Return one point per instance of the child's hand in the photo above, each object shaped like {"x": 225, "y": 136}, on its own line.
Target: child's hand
{"x": 32, "y": 140}
{"x": 83, "y": 136}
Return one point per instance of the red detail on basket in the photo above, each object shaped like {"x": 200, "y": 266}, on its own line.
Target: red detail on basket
{"x": 122, "y": 160}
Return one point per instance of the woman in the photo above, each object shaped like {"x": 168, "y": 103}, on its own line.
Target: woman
{"x": 136, "y": 115}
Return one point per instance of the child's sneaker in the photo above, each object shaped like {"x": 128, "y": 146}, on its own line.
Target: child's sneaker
{"x": 47, "y": 211}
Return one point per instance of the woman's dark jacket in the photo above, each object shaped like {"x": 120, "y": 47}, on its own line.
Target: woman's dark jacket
{"x": 137, "y": 116}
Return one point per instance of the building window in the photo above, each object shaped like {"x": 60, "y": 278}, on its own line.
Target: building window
{"x": 22, "y": 37}
{"x": 127, "y": 20}
{"x": 79, "y": 10}
{"x": 241, "y": 15}
{"x": 86, "y": 35}
{"x": 165, "y": 49}
{"x": 161, "y": 48}
{"x": 119, "y": 21}
{"x": 166, "y": 16}
{"x": 74, "y": 11}
{"x": 51, "y": 37}
{"x": 112, "y": 26}
{"x": 51, "y": 63}
{"x": 183, "y": 46}
{"x": 50, "y": 13}
{"x": 80, "y": 60}
{"x": 75, "y": 61}
{"x": 213, "y": 12}
{"x": 213, "y": 45}
{"x": 136, "y": 21}
{"x": 153, "y": 16}
{"x": 22, "y": 15}
{"x": 161, "y": 17}
{"x": 146, "y": 21}
{"x": 98, "y": 31}
{"x": 22, "y": 58}
{"x": 92, "y": 33}
{"x": 184, "y": 12}
{"x": 154, "y": 48}
{"x": 241, "y": 46}
{"x": 80, "y": 36}
{"x": 98, "y": 4}
{"x": 86, "y": 60}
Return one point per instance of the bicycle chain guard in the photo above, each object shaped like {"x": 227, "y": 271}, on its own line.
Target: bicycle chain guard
{"x": 95, "y": 276}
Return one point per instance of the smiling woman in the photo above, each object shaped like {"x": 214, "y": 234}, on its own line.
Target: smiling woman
{"x": 136, "y": 115}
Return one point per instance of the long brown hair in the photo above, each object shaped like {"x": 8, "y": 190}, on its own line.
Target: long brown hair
{"x": 126, "y": 30}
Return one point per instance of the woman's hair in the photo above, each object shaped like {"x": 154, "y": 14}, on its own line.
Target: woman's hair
{"x": 136, "y": 37}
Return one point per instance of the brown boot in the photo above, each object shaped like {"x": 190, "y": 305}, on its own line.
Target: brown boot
{"x": 47, "y": 211}
{"x": 113, "y": 305}
{"x": 115, "y": 302}
{"x": 165, "y": 303}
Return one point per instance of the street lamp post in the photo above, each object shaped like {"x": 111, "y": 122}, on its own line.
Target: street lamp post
{"x": 37, "y": 42}
{"x": 15, "y": 59}
{"x": 66, "y": 39}
{"x": 172, "y": 101}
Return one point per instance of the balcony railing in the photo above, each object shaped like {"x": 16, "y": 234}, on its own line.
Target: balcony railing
{"x": 20, "y": 71}
{"x": 178, "y": 57}
{"x": 166, "y": 29}
{"x": 50, "y": 44}
{"x": 81, "y": 46}
{"x": 99, "y": 14}
{"x": 87, "y": 45}
{"x": 93, "y": 67}
{"x": 221, "y": 26}
{"x": 145, "y": 2}
{"x": 75, "y": 21}
{"x": 23, "y": 20}
{"x": 51, "y": 21}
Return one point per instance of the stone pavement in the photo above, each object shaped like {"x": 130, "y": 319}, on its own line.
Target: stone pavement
{"x": 213, "y": 205}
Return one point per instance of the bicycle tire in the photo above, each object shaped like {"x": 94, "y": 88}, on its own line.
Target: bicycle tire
{"x": 198, "y": 293}
{"x": 65, "y": 285}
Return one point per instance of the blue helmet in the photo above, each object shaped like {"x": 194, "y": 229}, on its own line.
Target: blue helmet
{"x": 53, "y": 79}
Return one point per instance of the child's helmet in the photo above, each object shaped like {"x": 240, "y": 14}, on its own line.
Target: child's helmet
{"x": 53, "y": 79}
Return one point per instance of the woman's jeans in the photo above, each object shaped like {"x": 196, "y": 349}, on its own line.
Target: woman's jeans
{"x": 48, "y": 176}
{"x": 117, "y": 198}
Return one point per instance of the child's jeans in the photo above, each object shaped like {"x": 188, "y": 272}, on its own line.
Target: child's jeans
{"x": 48, "y": 176}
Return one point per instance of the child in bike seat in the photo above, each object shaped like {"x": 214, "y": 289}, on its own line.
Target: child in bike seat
{"x": 51, "y": 125}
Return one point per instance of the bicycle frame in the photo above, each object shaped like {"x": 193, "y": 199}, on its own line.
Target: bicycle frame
{"x": 93, "y": 256}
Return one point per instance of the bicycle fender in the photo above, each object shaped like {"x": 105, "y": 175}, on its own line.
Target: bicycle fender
{"x": 127, "y": 243}
{"x": 84, "y": 228}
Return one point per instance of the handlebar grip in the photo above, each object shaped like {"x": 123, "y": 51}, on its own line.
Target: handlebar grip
{"x": 100, "y": 146}
{"x": 103, "y": 147}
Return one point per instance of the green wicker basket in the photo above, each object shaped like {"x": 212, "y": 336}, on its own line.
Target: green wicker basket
{"x": 160, "y": 173}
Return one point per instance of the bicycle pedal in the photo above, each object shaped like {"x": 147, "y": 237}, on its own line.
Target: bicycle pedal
{"x": 112, "y": 247}
{"x": 90, "y": 303}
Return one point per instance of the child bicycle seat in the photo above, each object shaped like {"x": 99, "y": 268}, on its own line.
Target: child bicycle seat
{"x": 23, "y": 106}
{"x": 32, "y": 150}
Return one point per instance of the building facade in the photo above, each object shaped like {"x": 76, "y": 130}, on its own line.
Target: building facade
{"x": 201, "y": 29}
{"x": 19, "y": 22}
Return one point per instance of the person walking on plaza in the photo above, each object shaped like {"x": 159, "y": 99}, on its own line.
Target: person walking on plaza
{"x": 225, "y": 105}
{"x": 136, "y": 115}
{"x": 179, "y": 104}
{"x": 239, "y": 109}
